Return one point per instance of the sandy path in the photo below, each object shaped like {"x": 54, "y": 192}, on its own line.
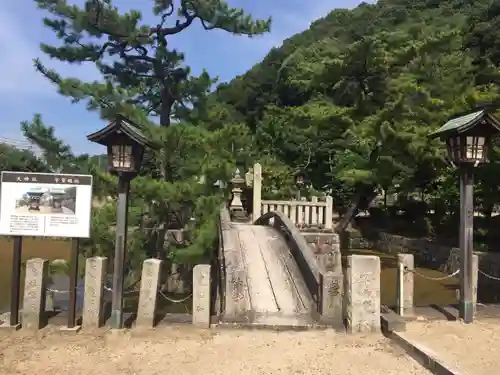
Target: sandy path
{"x": 472, "y": 347}
{"x": 186, "y": 350}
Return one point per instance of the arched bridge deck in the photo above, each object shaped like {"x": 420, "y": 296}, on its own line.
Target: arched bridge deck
{"x": 277, "y": 292}
{"x": 269, "y": 274}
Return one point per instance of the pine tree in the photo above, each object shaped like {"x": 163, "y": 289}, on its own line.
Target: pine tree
{"x": 14, "y": 159}
{"x": 145, "y": 80}
{"x": 139, "y": 70}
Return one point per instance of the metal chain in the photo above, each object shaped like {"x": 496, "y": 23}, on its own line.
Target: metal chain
{"x": 182, "y": 300}
{"x": 433, "y": 278}
{"x": 57, "y": 291}
{"x": 106, "y": 288}
{"x": 489, "y": 276}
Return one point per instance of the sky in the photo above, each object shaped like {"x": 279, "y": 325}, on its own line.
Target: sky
{"x": 24, "y": 92}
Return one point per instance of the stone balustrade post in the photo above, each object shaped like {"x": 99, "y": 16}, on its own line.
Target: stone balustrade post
{"x": 148, "y": 294}
{"x": 362, "y": 295}
{"x": 329, "y": 213}
{"x": 257, "y": 192}
{"x": 405, "y": 285}
{"x": 93, "y": 300}
{"x": 307, "y": 215}
{"x": 293, "y": 213}
{"x": 201, "y": 295}
{"x": 35, "y": 284}
{"x": 314, "y": 212}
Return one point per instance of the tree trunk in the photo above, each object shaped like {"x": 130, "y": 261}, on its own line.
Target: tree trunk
{"x": 165, "y": 107}
{"x": 349, "y": 215}
{"x": 354, "y": 207}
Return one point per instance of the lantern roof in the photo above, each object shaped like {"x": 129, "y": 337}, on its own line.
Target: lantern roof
{"x": 467, "y": 122}
{"x": 120, "y": 125}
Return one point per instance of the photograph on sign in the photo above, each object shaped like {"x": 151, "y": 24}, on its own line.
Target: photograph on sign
{"x": 42, "y": 200}
{"x": 45, "y": 204}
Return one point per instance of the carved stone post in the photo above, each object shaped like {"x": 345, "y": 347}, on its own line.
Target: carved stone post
{"x": 93, "y": 301}
{"x": 362, "y": 295}
{"x": 37, "y": 272}
{"x": 148, "y": 295}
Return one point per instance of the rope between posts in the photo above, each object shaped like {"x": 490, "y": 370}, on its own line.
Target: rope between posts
{"x": 489, "y": 276}
{"x": 433, "y": 278}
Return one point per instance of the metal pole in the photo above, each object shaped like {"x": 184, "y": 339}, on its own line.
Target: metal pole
{"x": 15, "y": 286}
{"x": 73, "y": 282}
{"x": 116, "y": 320}
{"x": 466, "y": 310}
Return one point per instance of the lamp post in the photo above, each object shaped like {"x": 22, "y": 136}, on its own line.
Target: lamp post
{"x": 299, "y": 177}
{"x": 468, "y": 139}
{"x": 125, "y": 145}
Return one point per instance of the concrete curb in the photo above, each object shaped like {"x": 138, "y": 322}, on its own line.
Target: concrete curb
{"x": 423, "y": 355}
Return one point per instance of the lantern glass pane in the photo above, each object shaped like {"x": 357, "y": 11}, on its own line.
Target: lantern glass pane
{"x": 122, "y": 156}
{"x": 475, "y": 148}
{"x": 470, "y": 148}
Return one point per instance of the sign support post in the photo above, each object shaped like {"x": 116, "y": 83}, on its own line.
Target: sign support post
{"x": 15, "y": 287}
{"x": 73, "y": 283}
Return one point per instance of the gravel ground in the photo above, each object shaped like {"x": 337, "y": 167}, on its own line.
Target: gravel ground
{"x": 186, "y": 350}
{"x": 472, "y": 348}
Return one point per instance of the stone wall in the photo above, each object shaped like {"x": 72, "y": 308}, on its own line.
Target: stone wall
{"x": 429, "y": 254}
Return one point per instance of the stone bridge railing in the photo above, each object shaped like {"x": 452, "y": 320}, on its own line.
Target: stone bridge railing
{"x": 315, "y": 213}
{"x": 303, "y": 213}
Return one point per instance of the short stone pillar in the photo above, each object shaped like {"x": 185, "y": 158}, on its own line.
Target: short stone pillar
{"x": 201, "y": 295}
{"x": 93, "y": 300}
{"x": 475, "y": 280}
{"x": 405, "y": 285}
{"x": 35, "y": 284}
{"x": 362, "y": 295}
{"x": 331, "y": 298}
{"x": 148, "y": 294}
{"x": 329, "y": 213}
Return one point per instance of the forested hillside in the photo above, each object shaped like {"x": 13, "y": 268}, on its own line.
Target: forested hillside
{"x": 350, "y": 101}
{"x": 354, "y": 97}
